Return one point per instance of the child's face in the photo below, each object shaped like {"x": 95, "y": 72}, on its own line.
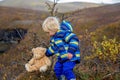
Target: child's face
{"x": 51, "y": 33}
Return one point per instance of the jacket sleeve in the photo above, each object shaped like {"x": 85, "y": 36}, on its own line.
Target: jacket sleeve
{"x": 73, "y": 42}
{"x": 50, "y": 50}
{"x": 60, "y": 46}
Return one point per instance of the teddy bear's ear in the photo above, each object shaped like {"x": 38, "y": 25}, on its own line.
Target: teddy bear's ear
{"x": 33, "y": 49}
{"x": 44, "y": 50}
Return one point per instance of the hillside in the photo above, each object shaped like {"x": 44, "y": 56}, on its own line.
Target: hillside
{"x": 93, "y": 18}
{"x": 40, "y": 5}
{"x": 103, "y": 20}
{"x": 12, "y": 61}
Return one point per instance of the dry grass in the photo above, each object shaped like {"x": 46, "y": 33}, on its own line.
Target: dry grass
{"x": 12, "y": 62}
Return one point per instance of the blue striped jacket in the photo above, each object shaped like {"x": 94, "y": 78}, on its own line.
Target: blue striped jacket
{"x": 63, "y": 42}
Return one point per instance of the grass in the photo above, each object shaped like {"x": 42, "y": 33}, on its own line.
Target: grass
{"x": 111, "y": 31}
{"x": 12, "y": 61}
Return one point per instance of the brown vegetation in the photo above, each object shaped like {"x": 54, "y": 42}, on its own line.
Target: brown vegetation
{"x": 100, "y": 21}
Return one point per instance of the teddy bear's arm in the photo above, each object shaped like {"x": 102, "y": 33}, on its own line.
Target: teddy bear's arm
{"x": 31, "y": 62}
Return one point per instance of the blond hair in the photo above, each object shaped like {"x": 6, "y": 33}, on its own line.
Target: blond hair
{"x": 51, "y": 24}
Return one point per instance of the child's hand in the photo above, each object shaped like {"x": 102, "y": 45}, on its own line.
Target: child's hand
{"x": 70, "y": 55}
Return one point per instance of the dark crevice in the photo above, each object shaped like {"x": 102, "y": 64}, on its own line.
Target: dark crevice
{"x": 9, "y": 37}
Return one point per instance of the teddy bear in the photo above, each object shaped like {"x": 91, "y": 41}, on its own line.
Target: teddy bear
{"x": 39, "y": 61}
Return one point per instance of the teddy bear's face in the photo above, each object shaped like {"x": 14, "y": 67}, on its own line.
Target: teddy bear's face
{"x": 38, "y": 52}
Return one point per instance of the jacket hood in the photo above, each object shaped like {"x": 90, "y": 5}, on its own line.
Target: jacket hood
{"x": 65, "y": 25}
